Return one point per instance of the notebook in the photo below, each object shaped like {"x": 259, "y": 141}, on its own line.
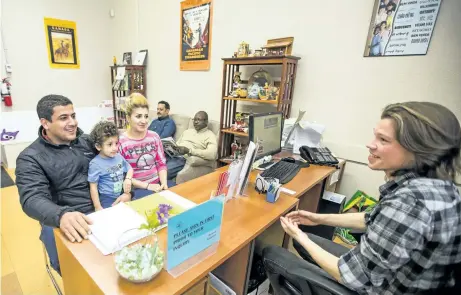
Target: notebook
{"x": 115, "y": 227}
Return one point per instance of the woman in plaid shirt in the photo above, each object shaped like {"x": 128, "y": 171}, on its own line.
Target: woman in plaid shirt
{"x": 412, "y": 237}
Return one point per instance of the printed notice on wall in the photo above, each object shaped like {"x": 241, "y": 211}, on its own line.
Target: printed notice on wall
{"x": 401, "y": 27}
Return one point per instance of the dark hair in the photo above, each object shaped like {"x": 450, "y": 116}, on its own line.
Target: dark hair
{"x": 47, "y": 103}
{"x": 167, "y": 105}
{"x": 432, "y": 133}
{"x": 381, "y": 23}
{"x": 102, "y": 131}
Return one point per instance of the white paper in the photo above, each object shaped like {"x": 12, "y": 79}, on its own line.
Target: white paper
{"x": 334, "y": 177}
{"x": 111, "y": 228}
{"x": 233, "y": 179}
{"x": 175, "y": 198}
{"x": 308, "y": 134}
{"x": 219, "y": 286}
{"x": 120, "y": 73}
{"x": 333, "y": 197}
{"x": 247, "y": 163}
{"x": 140, "y": 56}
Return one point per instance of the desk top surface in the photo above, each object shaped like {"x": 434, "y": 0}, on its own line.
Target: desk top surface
{"x": 244, "y": 219}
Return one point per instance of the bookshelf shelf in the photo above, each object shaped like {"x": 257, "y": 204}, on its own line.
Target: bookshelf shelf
{"x": 229, "y": 131}
{"x": 229, "y": 105}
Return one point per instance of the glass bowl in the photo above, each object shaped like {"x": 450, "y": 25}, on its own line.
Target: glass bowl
{"x": 141, "y": 261}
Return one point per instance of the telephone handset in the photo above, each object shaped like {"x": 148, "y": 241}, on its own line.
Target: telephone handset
{"x": 318, "y": 156}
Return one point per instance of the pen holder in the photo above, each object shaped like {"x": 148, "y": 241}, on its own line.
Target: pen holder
{"x": 273, "y": 195}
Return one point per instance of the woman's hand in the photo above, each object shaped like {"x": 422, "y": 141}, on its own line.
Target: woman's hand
{"x": 303, "y": 217}
{"x": 127, "y": 185}
{"x": 98, "y": 208}
{"x": 154, "y": 187}
{"x": 292, "y": 229}
{"x": 164, "y": 186}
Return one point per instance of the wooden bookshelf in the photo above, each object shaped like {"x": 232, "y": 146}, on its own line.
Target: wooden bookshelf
{"x": 137, "y": 82}
{"x": 289, "y": 66}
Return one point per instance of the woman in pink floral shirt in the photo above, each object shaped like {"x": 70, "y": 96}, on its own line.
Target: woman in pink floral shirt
{"x": 143, "y": 148}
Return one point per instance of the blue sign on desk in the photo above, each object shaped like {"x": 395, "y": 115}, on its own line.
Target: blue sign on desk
{"x": 193, "y": 231}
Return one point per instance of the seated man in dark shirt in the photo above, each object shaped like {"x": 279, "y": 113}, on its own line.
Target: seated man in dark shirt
{"x": 164, "y": 126}
{"x": 51, "y": 175}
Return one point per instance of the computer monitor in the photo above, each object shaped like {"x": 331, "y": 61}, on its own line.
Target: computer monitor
{"x": 266, "y": 129}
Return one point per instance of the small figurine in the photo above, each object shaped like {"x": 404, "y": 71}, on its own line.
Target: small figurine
{"x": 114, "y": 59}
{"x": 234, "y": 150}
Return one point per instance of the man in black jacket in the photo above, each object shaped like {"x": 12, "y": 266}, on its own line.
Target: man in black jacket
{"x": 51, "y": 175}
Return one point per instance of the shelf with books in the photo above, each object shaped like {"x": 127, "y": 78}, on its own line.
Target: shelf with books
{"x": 130, "y": 79}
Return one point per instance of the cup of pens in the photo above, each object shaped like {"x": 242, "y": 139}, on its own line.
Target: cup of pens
{"x": 273, "y": 192}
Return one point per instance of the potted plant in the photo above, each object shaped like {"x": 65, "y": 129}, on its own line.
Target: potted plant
{"x": 143, "y": 260}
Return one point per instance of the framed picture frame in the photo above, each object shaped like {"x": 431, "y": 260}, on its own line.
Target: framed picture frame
{"x": 127, "y": 58}
{"x": 195, "y": 35}
{"x": 61, "y": 42}
{"x": 141, "y": 58}
{"x": 400, "y": 27}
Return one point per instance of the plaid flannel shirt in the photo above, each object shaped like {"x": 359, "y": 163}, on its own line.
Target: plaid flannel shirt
{"x": 412, "y": 235}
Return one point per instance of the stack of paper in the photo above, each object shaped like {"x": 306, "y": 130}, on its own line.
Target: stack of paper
{"x": 115, "y": 227}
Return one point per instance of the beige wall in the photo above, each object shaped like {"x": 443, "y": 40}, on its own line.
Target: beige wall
{"x": 335, "y": 84}
{"x": 24, "y": 37}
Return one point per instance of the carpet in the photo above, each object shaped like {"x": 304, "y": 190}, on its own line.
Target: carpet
{"x": 6, "y": 179}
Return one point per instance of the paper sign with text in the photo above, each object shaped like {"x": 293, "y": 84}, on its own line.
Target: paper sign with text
{"x": 193, "y": 231}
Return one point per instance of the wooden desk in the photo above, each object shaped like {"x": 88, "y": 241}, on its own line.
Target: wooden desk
{"x": 86, "y": 271}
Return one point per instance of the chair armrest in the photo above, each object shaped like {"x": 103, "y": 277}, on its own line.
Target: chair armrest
{"x": 306, "y": 277}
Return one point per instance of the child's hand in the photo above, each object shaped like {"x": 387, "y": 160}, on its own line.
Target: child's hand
{"x": 127, "y": 185}
{"x": 125, "y": 197}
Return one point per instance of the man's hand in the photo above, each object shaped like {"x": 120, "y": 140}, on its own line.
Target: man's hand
{"x": 127, "y": 185}
{"x": 125, "y": 197}
{"x": 182, "y": 150}
{"x": 75, "y": 226}
{"x": 164, "y": 186}
{"x": 303, "y": 217}
{"x": 292, "y": 228}
{"x": 98, "y": 208}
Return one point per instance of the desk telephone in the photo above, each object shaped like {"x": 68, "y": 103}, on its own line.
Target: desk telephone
{"x": 318, "y": 156}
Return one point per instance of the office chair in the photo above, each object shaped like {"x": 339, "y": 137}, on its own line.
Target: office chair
{"x": 291, "y": 275}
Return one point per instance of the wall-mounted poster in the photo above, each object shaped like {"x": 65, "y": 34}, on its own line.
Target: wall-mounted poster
{"x": 401, "y": 27}
{"x": 61, "y": 41}
{"x": 196, "y": 23}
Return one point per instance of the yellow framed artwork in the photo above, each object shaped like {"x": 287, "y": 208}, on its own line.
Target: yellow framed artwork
{"x": 195, "y": 43}
{"x": 61, "y": 41}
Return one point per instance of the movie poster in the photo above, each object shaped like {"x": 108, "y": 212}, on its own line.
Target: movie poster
{"x": 401, "y": 27}
{"x": 196, "y": 19}
{"x": 61, "y": 39}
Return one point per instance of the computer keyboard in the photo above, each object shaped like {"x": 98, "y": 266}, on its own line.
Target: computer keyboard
{"x": 283, "y": 171}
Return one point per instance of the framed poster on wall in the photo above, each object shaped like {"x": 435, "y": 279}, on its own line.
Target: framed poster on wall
{"x": 401, "y": 27}
{"x": 61, "y": 41}
{"x": 195, "y": 43}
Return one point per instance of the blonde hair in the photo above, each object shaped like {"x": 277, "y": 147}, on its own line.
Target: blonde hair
{"x": 134, "y": 101}
{"x": 432, "y": 133}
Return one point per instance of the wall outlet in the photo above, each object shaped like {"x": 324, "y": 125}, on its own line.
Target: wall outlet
{"x": 8, "y": 68}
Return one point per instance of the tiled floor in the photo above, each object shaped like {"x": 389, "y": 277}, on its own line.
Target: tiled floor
{"x": 23, "y": 265}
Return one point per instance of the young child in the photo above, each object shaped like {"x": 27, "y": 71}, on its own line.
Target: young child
{"x": 106, "y": 170}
